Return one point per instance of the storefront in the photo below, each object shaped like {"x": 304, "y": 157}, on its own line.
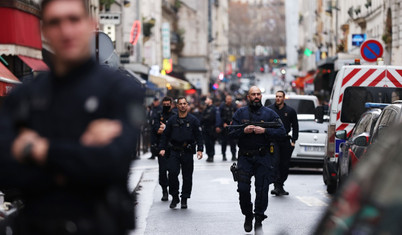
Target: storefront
{"x": 7, "y": 82}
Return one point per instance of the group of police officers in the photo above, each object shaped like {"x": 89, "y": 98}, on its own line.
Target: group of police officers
{"x": 264, "y": 151}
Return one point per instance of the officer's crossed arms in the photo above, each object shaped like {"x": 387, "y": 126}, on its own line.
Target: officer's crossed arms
{"x": 99, "y": 133}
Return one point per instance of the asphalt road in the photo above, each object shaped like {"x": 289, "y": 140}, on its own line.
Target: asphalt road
{"x": 214, "y": 209}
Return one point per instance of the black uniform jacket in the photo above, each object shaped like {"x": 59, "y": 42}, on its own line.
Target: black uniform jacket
{"x": 75, "y": 177}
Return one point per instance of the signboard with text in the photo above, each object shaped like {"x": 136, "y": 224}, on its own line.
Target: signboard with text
{"x": 166, "y": 40}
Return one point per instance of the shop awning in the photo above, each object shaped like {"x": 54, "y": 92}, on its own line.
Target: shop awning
{"x": 166, "y": 81}
{"x": 35, "y": 64}
{"x": 7, "y": 80}
{"x": 19, "y": 28}
{"x": 6, "y": 76}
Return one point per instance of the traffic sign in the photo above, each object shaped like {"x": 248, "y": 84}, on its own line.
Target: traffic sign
{"x": 371, "y": 50}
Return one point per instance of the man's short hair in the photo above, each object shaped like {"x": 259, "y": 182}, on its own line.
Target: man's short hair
{"x": 181, "y": 98}
{"x": 44, "y": 4}
{"x": 167, "y": 98}
{"x": 281, "y": 91}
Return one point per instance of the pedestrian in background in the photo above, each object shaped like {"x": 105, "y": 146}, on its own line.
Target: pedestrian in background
{"x": 154, "y": 109}
{"x": 67, "y": 137}
{"x": 183, "y": 137}
{"x": 210, "y": 122}
{"x": 158, "y": 126}
{"x": 226, "y": 111}
{"x": 256, "y": 156}
{"x": 286, "y": 146}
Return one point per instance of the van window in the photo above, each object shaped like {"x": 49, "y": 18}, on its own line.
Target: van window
{"x": 354, "y": 99}
{"x": 301, "y": 106}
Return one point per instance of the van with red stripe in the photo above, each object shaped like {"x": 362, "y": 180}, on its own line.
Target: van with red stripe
{"x": 353, "y": 87}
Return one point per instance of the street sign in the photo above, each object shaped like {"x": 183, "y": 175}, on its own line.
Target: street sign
{"x": 135, "y": 32}
{"x": 109, "y": 18}
{"x": 166, "y": 40}
{"x": 358, "y": 39}
{"x": 371, "y": 50}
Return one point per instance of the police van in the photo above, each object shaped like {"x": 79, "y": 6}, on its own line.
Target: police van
{"x": 353, "y": 87}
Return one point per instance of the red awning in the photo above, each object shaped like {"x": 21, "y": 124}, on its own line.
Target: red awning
{"x": 7, "y": 80}
{"x": 19, "y": 28}
{"x": 34, "y": 64}
{"x": 7, "y": 76}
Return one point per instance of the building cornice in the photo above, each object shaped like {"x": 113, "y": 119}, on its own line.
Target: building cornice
{"x": 28, "y": 6}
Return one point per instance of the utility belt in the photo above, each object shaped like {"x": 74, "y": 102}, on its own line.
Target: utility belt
{"x": 261, "y": 151}
{"x": 182, "y": 147}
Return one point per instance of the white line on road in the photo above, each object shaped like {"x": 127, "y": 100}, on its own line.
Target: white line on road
{"x": 311, "y": 201}
{"x": 223, "y": 180}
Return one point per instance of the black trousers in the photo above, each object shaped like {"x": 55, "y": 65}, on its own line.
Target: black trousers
{"x": 180, "y": 161}
{"x": 285, "y": 153}
{"x": 163, "y": 172}
{"x": 261, "y": 167}
{"x": 209, "y": 141}
{"x": 228, "y": 140}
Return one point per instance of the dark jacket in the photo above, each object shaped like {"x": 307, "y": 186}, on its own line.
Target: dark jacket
{"x": 210, "y": 120}
{"x": 253, "y": 141}
{"x": 157, "y": 118}
{"x": 60, "y": 109}
{"x": 227, "y": 112}
{"x": 181, "y": 131}
{"x": 289, "y": 118}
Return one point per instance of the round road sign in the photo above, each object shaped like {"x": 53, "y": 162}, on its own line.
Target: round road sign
{"x": 371, "y": 50}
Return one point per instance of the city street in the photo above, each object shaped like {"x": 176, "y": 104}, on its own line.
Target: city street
{"x": 214, "y": 209}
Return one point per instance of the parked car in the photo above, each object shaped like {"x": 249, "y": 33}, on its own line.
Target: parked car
{"x": 310, "y": 147}
{"x": 357, "y": 142}
{"x": 370, "y": 201}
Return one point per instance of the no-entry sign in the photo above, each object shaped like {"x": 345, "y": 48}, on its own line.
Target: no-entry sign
{"x": 371, "y": 50}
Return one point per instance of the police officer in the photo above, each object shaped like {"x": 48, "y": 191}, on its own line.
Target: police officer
{"x": 286, "y": 146}
{"x": 210, "y": 123}
{"x": 67, "y": 137}
{"x": 158, "y": 126}
{"x": 154, "y": 109}
{"x": 183, "y": 136}
{"x": 256, "y": 156}
{"x": 227, "y": 110}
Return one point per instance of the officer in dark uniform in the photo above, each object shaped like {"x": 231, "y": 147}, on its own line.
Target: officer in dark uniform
{"x": 227, "y": 110}
{"x": 210, "y": 122}
{"x": 154, "y": 109}
{"x": 67, "y": 137}
{"x": 183, "y": 137}
{"x": 158, "y": 126}
{"x": 286, "y": 146}
{"x": 256, "y": 156}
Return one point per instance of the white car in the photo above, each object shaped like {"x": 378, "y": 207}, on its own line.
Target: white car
{"x": 303, "y": 104}
{"x": 310, "y": 147}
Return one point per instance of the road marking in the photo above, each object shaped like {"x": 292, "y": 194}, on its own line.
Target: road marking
{"x": 311, "y": 201}
{"x": 223, "y": 180}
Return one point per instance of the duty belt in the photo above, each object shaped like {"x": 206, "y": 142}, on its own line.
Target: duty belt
{"x": 254, "y": 152}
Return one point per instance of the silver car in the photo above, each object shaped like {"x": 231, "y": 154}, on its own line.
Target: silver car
{"x": 310, "y": 147}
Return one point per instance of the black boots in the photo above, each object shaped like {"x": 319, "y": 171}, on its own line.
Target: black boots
{"x": 165, "y": 196}
{"x": 258, "y": 223}
{"x": 224, "y": 157}
{"x": 183, "y": 203}
{"x": 210, "y": 159}
{"x": 279, "y": 191}
{"x": 174, "y": 202}
{"x": 248, "y": 223}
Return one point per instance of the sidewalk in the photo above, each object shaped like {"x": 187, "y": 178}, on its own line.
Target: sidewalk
{"x": 138, "y": 168}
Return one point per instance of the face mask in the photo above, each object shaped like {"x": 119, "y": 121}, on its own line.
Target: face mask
{"x": 166, "y": 109}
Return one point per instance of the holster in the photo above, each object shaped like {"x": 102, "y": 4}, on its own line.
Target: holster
{"x": 235, "y": 173}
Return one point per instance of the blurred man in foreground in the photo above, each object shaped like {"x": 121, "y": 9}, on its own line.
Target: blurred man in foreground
{"x": 67, "y": 137}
